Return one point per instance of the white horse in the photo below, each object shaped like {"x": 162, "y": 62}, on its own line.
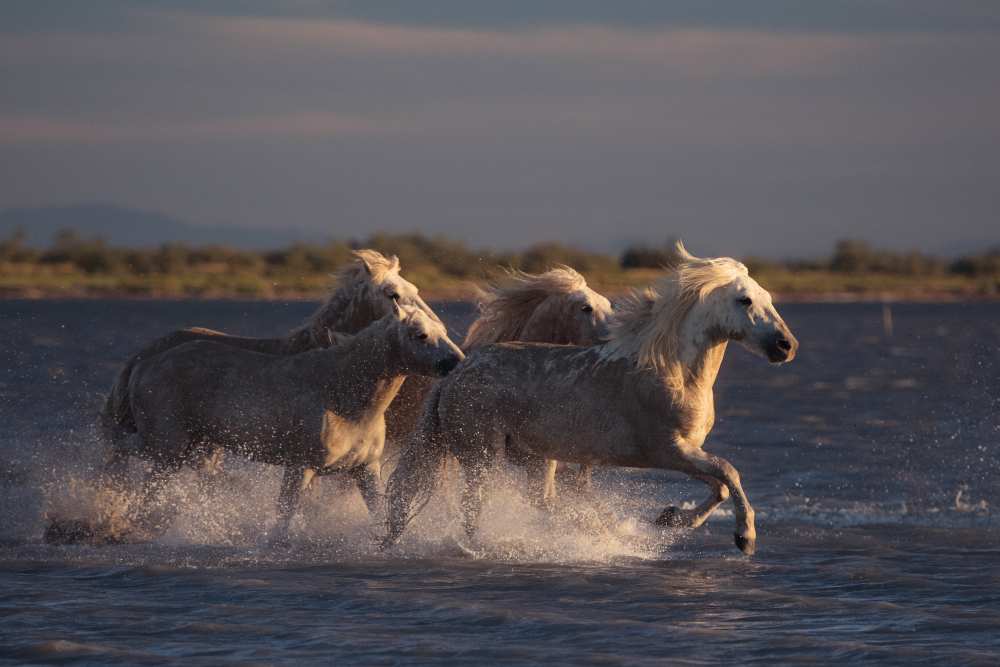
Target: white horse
{"x": 556, "y": 306}
{"x": 317, "y": 412}
{"x": 367, "y": 290}
{"x": 642, "y": 399}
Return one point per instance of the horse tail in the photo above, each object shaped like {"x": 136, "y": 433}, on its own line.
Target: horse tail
{"x": 117, "y": 419}
{"x": 418, "y": 471}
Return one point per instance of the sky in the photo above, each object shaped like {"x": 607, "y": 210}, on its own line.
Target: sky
{"x": 771, "y": 128}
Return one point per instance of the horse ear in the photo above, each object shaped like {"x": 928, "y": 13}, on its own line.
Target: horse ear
{"x": 677, "y": 254}
{"x": 364, "y": 262}
{"x": 394, "y": 263}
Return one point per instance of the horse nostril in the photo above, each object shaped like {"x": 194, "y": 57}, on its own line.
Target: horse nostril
{"x": 784, "y": 344}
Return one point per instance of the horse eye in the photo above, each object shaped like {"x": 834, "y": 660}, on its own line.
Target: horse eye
{"x": 422, "y": 336}
{"x": 394, "y": 296}
{"x": 744, "y": 301}
{"x": 587, "y": 309}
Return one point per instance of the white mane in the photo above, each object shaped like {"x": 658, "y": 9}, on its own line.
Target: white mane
{"x": 646, "y": 324}
{"x": 347, "y": 309}
{"x": 505, "y": 308}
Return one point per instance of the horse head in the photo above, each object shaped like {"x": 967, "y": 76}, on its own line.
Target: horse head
{"x": 552, "y": 307}
{"x": 727, "y": 304}
{"x": 422, "y": 343}
{"x": 368, "y": 289}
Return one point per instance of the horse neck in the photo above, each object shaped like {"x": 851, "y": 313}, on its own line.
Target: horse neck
{"x": 364, "y": 376}
{"x": 352, "y": 311}
{"x": 348, "y": 310}
{"x": 547, "y": 325}
{"x": 704, "y": 367}
{"x": 700, "y": 357}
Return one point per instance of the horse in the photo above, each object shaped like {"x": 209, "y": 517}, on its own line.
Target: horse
{"x": 641, "y": 399}
{"x": 556, "y": 306}
{"x": 367, "y": 289}
{"x": 315, "y": 413}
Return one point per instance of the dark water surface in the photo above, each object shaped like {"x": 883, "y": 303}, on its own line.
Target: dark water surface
{"x": 873, "y": 462}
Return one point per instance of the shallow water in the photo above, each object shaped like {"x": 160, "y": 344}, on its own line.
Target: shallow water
{"x": 873, "y": 462}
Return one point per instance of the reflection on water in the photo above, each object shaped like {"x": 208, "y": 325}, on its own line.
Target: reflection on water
{"x": 872, "y": 461}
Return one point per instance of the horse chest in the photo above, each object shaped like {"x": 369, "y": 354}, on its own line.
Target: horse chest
{"x": 697, "y": 420}
{"x": 347, "y": 443}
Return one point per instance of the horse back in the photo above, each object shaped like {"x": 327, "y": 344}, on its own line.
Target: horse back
{"x": 117, "y": 412}
{"x": 555, "y": 401}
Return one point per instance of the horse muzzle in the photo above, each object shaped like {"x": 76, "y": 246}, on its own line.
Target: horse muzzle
{"x": 781, "y": 348}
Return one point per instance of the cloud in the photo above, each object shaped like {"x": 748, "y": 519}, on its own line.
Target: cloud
{"x": 506, "y": 131}
{"x": 22, "y": 129}
{"x": 225, "y": 78}
{"x": 697, "y": 52}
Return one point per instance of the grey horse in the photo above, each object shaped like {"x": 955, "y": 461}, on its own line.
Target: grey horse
{"x": 316, "y": 412}
{"x": 367, "y": 289}
{"x": 556, "y": 306}
{"x": 642, "y": 399}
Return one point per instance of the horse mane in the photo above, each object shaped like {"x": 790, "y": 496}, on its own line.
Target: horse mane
{"x": 368, "y": 265}
{"x": 345, "y": 309}
{"x": 505, "y": 307}
{"x": 646, "y": 324}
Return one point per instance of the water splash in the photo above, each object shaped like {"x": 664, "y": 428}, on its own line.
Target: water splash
{"x": 236, "y": 509}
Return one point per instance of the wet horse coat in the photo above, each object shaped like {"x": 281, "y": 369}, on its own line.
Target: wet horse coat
{"x": 552, "y": 307}
{"x": 316, "y": 412}
{"x": 642, "y": 399}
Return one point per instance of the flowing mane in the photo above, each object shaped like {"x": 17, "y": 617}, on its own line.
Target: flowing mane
{"x": 506, "y": 307}
{"x": 346, "y": 309}
{"x": 646, "y": 325}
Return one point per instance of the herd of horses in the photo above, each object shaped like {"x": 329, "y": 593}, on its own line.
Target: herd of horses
{"x": 549, "y": 372}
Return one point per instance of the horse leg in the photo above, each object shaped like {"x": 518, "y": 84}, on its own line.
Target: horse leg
{"x": 693, "y": 518}
{"x": 584, "y": 478}
{"x": 541, "y": 480}
{"x": 700, "y": 464}
{"x": 472, "y": 498}
{"x": 152, "y": 495}
{"x": 476, "y": 467}
{"x": 293, "y": 481}
{"x": 366, "y": 477}
{"x": 549, "y": 481}
{"x": 209, "y": 468}
{"x": 115, "y": 472}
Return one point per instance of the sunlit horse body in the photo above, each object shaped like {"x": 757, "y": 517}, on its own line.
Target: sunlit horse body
{"x": 316, "y": 412}
{"x": 367, "y": 290}
{"x": 643, "y": 399}
{"x": 556, "y": 306}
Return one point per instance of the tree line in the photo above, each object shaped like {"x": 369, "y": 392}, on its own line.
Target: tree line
{"x": 73, "y": 264}
{"x": 450, "y": 257}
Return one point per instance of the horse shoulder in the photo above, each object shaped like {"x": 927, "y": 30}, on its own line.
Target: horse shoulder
{"x": 349, "y": 443}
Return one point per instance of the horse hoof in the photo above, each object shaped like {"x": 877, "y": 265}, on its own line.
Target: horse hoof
{"x": 746, "y": 545}
{"x": 670, "y": 517}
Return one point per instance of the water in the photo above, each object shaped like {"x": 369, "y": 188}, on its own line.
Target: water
{"x": 873, "y": 462}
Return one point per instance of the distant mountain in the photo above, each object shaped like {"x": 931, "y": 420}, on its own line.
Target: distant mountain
{"x": 134, "y": 228}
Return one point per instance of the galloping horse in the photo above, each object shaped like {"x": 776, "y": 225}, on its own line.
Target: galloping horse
{"x": 642, "y": 399}
{"x": 367, "y": 290}
{"x": 316, "y": 412}
{"x": 552, "y": 307}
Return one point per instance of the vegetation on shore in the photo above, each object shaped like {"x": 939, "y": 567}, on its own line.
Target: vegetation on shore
{"x": 76, "y": 266}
